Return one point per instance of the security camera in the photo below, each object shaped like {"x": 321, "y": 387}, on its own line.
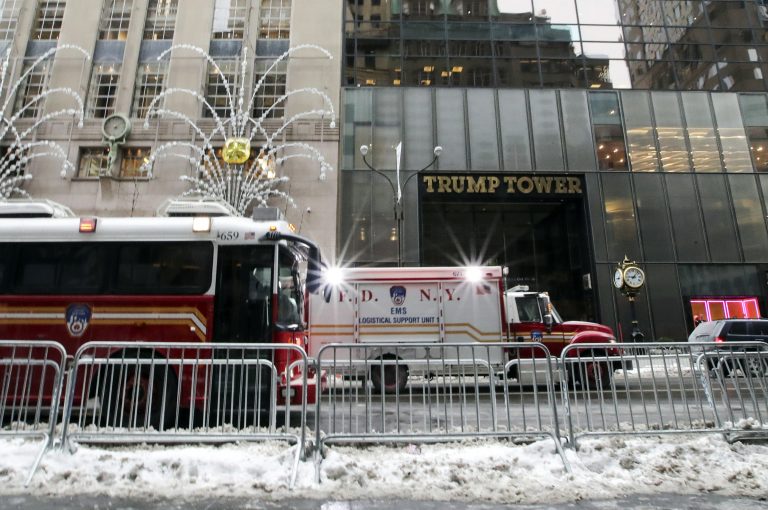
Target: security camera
{"x": 438, "y": 150}
{"x": 364, "y": 150}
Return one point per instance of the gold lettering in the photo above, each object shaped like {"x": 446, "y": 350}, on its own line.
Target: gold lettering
{"x": 493, "y": 183}
{"x": 560, "y": 185}
{"x": 525, "y": 185}
{"x": 443, "y": 184}
{"x": 543, "y": 184}
{"x": 475, "y": 185}
{"x": 510, "y": 183}
{"x": 458, "y": 183}
{"x": 429, "y": 180}
{"x": 574, "y": 185}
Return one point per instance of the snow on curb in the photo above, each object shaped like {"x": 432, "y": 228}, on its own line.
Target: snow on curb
{"x": 491, "y": 471}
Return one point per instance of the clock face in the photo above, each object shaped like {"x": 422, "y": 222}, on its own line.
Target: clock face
{"x": 618, "y": 279}
{"x": 634, "y": 277}
{"x": 115, "y": 127}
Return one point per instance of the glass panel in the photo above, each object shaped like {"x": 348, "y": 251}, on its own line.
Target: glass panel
{"x": 701, "y": 133}
{"x": 607, "y": 312}
{"x": 358, "y": 115}
{"x": 596, "y": 217}
{"x": 686, "y": 221}
{"x": 718, "y": 280}
{"x": 754, "y": 109}
{"x": 637, "y": 116}
{"x": 666, "y": 303}
{"x": 483, "y": 143}
{"x": 386, "y": 128}
{"x": 515, "y": 140}
{"x": 578, "y": 141}
{"x": 555, "y": 11}
{"x": 546, "y": 130}
{"x": 749, "y": 217}
{"x": 417, "y": 139}
{"x": 654, "y": 222}
{"x": 721, "y": 233}
{"x": 758, "y": 147}
{"x": 418, "y": 148}
{"x": 620, "y": 227}
{"x": 733, "y": 139}
{"x": 611, "y": 152}
{"x": 669, "y": 127}
{"x": 450, "y": 129}
{"x": 599, "y": 12}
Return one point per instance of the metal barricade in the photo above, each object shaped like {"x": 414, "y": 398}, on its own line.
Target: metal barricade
{"x": 31, "y": 380}
{"x": 122, "y": 392}
{"x": 427, "y": 392}
{"x": 652, "y": 388}
{"x": 736, "y": 378}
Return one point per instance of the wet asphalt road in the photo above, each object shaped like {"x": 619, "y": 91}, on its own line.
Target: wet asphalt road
{"x": 655, "y": 502}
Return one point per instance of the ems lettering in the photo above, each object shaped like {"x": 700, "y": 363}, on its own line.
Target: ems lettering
{"x": 398, "y": 310}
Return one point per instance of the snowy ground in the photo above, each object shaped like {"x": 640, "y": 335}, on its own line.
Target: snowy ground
{"x": 478, "y": 471}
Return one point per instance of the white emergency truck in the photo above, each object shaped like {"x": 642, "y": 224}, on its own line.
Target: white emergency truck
{"x": 441, "y": 305}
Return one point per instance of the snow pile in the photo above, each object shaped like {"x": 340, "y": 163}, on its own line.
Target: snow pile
{"x": 492, "y": 471}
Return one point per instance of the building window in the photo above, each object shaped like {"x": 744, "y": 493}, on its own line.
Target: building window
{"x": 131, "y": 163}
{"x": 9, "y": 12}
{"x": 48, "y": 20}
{"x": 150, "y": 82}
{"x": 33, "y": 85}
{"x": 758, "y": 147}
{"x": 609, "y": 132}
{"x": 161, "y": 19}
{"x": 115, "y": 18}
{"x": 275, "y": 19}
{"x": 272, "y": 88}
{"x": 94, "y": 161}
{"x": 216, "y": 92}
{"x": 103, "y": 90}
{"x": 229, "y": 19}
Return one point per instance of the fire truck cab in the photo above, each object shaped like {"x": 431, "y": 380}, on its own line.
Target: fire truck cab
{"x": 532, "y": 317}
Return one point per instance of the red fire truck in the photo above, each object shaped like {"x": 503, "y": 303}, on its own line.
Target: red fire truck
{"x": 190, "y": 278}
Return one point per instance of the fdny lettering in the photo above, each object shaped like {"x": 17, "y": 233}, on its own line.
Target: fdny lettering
{"x": 509, "y": 184}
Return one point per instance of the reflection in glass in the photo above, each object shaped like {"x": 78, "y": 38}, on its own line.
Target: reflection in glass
{"x": 642, "y": 147}
{"x": 620, "y": 227}
{"x": 749, "y": 217}
{"x": 721, "y": 232}
{"x": 733, "y": 139}
{"x": 686, "y": 220}
{"x": 758, "y": 147}
{"x": 701, "y": 133}
{"x": 669, "y": 129}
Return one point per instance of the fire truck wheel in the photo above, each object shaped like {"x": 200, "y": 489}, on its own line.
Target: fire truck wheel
{"x": 132, "y": 396}
{"x": 395, "y": 377}
{"x": 591, "y": 374}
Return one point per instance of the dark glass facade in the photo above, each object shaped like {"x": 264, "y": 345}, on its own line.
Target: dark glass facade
{"x": 642, "y": 44}
{"x": 658, "y": 108}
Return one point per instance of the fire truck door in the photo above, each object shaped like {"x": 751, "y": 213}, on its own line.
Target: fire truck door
{"x": 243, "y": 294}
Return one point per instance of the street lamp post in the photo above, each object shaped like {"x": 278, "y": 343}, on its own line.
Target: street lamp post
{"x": 397, "y": 196}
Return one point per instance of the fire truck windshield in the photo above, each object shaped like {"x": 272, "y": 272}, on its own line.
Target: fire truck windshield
{"x": 531, "y": 308}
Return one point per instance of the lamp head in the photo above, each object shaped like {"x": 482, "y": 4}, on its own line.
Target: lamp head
{"x": 438, "y": 150}
{"x": 364, "y": 150}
